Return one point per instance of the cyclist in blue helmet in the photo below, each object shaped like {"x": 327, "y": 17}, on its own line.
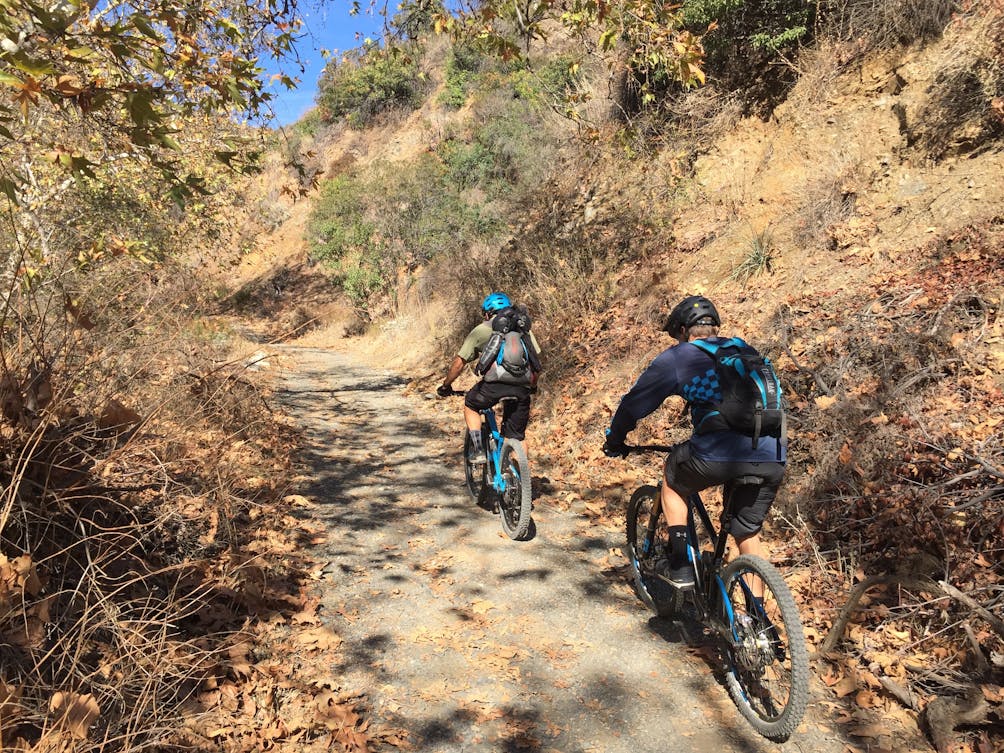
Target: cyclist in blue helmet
{"x": 484, "y": 394}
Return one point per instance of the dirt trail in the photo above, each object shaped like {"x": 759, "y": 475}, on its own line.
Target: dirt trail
{"x": 469, "y": 641}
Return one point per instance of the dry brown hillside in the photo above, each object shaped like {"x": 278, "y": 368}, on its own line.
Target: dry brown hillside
{"x": 857, "y": 235}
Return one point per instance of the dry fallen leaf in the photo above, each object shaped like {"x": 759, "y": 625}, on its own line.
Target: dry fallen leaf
{"x": 75, "y": 712}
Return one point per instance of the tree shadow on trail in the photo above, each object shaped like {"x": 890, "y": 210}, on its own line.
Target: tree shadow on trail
{"x": 400, "y": 519}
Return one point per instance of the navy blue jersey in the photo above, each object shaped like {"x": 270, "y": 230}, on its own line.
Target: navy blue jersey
{"x": 688, "y": 372}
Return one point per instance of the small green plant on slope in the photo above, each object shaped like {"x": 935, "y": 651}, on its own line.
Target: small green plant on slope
{"x": 506, "y": 156}
{"x": 770, "y": 26}
{"x": 337, "y": 225}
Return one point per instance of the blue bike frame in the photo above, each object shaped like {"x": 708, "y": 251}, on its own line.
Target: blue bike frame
{"x": 703, "y": 566}
{"x": 493, "y": 450}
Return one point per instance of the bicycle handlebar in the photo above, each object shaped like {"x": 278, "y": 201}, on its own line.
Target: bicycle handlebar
{"x": 647, "y": 448}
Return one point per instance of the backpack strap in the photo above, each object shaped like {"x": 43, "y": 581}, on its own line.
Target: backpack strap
{"x": 709, "y": 348}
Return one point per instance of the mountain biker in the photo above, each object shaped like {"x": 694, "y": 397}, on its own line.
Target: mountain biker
{"x": 515, "y": 414}
{"x": 704, "y": 460}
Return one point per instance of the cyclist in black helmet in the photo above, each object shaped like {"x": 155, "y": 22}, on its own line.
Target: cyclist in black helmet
{"x": 704, "y": 460}
{"x": 515, "y": 414}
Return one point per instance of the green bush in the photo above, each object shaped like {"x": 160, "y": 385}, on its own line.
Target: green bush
{"x": 508, "y": 155}
{"x": 763, "y": 25}
{"x": 549, "y": 84}
{"x": 364, "y": 228}
{"x": 462, "y": 67}
{"x": 422, "y": 213}
{"x": 308, "y": 124}
{"x": 337, "y": 226}
{"x": 468, "y": 164}
{"x": 360, "y": 278}
{"x": 366, "y": 82}
{"x": 752, "y": 44}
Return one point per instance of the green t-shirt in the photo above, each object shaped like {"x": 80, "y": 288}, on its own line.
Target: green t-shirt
{"x": 478, "y": 338}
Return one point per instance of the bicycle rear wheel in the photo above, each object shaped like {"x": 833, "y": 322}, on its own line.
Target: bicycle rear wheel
{"x": 646, "y": 527}
{"x": 476, "y": 474}
{"x": 515, "y": 502}
{"x": 767, "y": 664}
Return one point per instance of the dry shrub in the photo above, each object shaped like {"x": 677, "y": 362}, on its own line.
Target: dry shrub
{"x": 966, "y": 106}
{"x": 701, "y": 116}
{"x": 881, "y": 24}
{"x": 819, "y": 69}
{"x": 561, "y": 266}
{"x": 134, "y": 455}
{"x": 827, "y": 200}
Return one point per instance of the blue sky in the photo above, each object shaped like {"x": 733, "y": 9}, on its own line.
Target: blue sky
{"x": 328, "y": 27}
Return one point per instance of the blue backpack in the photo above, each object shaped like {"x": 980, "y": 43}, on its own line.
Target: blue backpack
{"x": 751, "y": 402}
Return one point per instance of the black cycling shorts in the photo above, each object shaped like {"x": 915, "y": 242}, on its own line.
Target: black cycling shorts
{"x": 686, "y": 474}
{"x": 515, "y": 413}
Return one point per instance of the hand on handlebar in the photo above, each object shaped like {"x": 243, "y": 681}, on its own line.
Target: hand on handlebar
{"x": 623, "y": 450}
{"x": 615, "y": 450}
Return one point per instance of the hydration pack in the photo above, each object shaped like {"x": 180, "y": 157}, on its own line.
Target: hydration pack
{"x": 509, "y": 356}
{"x": 751, "y": 402}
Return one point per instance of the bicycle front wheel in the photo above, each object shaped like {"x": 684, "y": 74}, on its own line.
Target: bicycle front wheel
{"x": 767, "y": 664}
{"x": 515, "y": 502}
{"x": 476, "y": 474}
{"x": 646, "y": 528}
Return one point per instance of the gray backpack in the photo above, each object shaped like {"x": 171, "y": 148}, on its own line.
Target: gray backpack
{"x": 509, "y": 356}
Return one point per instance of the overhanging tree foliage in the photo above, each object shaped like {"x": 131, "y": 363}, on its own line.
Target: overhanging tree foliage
{"x": 117, "y": 78}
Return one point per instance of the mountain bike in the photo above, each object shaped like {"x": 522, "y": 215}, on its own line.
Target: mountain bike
{"x": 503, "y": 482}
{"x": 744, "y": 604}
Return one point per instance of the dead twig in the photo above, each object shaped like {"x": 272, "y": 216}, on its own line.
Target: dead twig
{"x": 993, "y": 620}
{"x": 904, "y": 695}
{"x": 908, "y": 581}
{"x": 823, "y": 386}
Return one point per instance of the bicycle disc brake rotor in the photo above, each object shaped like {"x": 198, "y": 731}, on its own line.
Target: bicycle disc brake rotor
{"x": 753, "y": 650}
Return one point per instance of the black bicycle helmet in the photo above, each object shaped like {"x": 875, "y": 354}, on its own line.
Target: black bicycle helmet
{"x": 691, "y": 311}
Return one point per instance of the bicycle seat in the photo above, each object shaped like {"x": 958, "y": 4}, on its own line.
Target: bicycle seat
{"x": 747, "y": 481}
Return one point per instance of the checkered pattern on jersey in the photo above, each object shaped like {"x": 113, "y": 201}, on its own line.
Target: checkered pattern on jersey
{"x": 703, "y": 388}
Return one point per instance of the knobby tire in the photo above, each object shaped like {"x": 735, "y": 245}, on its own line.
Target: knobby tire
{"x": 767, "y": 667}
{"x": 655, "y": 593}
{"x": 515, "y": 503}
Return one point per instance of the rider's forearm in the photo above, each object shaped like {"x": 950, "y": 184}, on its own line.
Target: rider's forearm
{"x": 454, "y": 371}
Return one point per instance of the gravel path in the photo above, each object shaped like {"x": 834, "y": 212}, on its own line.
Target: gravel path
{"x": 469, "y": 641}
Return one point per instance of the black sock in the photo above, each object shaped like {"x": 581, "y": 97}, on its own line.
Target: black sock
{"x": 677, "y": 546}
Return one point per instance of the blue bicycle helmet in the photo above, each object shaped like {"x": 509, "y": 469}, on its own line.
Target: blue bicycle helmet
{"x": 495, "y": 302}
